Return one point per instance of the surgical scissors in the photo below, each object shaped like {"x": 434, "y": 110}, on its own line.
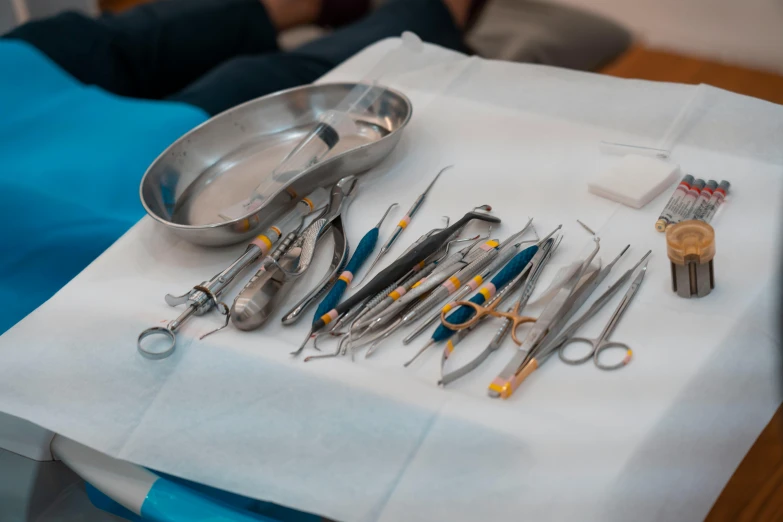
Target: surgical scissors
{"x": 601, "y": 343}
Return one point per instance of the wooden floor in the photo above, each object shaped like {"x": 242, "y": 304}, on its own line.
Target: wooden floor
{"x": 755, "y": 491}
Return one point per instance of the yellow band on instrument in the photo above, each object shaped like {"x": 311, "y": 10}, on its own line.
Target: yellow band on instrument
{"x": 485, "y": 292}
{"x": 446, "y": 308}
{"x": 417, "y": 284}
{"x": 454, "y": 281}
{"x": 395, "y": 295}
{"x": 277, "y": 231}
{"x": 329, "y": 316}
{"x": 265, "y": 240}
{"x": 492, "y": 243}
{"x": 309, "y": 203}
{"x": 498, "y": 388}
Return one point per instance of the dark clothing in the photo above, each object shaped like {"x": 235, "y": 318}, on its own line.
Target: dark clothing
{"x": 215, "y": 54}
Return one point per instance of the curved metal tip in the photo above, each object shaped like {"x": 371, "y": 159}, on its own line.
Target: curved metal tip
{"x": 302, "y": 347}
{"x": 386, "y": 214}
{"x": 432, "y": 183}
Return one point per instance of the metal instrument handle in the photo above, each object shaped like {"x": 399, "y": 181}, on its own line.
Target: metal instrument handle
{"x": 609, "y": 346}
{"x": 575, "y": 361}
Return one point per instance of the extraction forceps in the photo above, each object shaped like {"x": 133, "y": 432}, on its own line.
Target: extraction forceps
{"x": 306, "y": 245}
{"x": 204, "y": 297}
{"x": 255, "y": 303}
{"x": 363, "y": 251}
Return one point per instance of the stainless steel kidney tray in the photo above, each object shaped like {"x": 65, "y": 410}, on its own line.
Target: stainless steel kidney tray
{"x": 221, "y": 162}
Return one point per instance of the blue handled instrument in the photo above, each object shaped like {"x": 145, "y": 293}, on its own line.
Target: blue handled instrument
{"x": 464, "y": 315}
{"x": 405, "y": 221}
{"x": 363, "y": 252}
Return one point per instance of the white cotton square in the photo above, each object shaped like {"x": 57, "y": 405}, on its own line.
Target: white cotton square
{"x": 635, "y": 180}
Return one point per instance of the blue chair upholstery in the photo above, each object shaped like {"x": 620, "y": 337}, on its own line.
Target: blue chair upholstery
{"x": 71, "y": 159}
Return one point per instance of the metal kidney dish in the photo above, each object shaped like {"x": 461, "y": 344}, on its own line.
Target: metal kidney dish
{"x": 221, "y": 162}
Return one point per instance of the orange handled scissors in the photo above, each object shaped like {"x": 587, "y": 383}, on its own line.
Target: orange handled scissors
{"x": 482, "y": 311}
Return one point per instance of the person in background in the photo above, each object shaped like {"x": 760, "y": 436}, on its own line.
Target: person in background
{"x": 216, "y": 54}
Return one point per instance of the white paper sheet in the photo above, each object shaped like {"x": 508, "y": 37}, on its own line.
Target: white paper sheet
{"x": 371, "y": 440}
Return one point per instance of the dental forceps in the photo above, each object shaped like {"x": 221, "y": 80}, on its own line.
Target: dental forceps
{"x": 206, "y": 296}
{"x": 403, "y": 224}
{"x": 308, "y": 241}
{"x": 601, "y": 343}
{"x": 255, "y": 303}
{"x": 363, "y": 251}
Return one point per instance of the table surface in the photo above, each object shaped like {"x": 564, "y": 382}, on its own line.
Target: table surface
{"x": 755, "y": 491}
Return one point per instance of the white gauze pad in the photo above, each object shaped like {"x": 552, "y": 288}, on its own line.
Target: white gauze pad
{"x": 635, "y": 180}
